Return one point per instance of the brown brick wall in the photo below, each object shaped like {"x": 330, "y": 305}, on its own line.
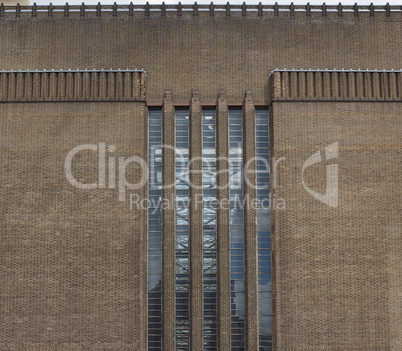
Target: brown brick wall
{"x": 337, "y": 280}
{"x": 250, "y": 223}
{"x": 71, "y": 259}
{"x": 338, "y": 286}
{"x": 205, "y": 53}
{"x": 196, "y": 261}
{"x": 223, "y": 215}
{"x": 72, "y": 86}
{"x": 168, "y": 228}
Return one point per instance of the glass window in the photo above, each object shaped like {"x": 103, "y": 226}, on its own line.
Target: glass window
{"x": 263, "y": 234}
{"x": 236, "y": 222}
{"x": 182, "y": 324}
{"x": 154, "y": 230}
{"x": 209, "y": 228}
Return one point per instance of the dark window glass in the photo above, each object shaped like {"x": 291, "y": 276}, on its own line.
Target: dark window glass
{"x": 263, "y": 234}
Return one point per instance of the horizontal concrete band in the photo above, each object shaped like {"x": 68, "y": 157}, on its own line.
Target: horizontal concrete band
{"x": 195, "y": 9}
{"x": 335, "y": 85}
{"x": 19, "y": 86}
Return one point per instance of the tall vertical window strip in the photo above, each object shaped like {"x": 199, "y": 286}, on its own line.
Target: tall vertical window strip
{"x": 182, "y": 230}
{"x": 236, "y": 230}
{"x": 263, "y": 232}
{"x": 154, "y": 230}
{"x": 209, "y": 228}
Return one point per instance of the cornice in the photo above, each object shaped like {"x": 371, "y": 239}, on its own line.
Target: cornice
{"x": 72, "y": 85}
{"x": 212, "y": 9}
{"x": 335, "y": 85}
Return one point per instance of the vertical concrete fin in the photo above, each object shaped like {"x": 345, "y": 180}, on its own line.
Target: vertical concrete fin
{"x": 318, "y": 85}
{"x": 119, "y": 85}
{"x": 94, "y": 85}
{"x": 78, "y": 85}
{"x": 310, "y": 84}
{"x": 3, "y": 87}
{"x": 285, "y": 84}
{"x": 27, "y": 86}
{"x": 360, "y": 91}
{"x": 102, "y": 85}
{"x": 19, "y": 93}
{"x": 44, "y": 85}
{"x": 11, "y": 85}
{"x": 392, "y": 85}
{"x": 377, "y": 93}
{"x": 53, "y": 86}
{"x": 326, "y": 85}
{"x": 127, "y": 82}
{"x": 294, "y": 84}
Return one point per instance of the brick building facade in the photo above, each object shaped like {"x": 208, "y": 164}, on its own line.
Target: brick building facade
{"x": 314, "y": 91}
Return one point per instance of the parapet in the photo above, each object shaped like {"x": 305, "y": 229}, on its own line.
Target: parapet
{"x": 179, "y": 10}
{"x": 72, "y": 85}
{"x": 335, "y": 85}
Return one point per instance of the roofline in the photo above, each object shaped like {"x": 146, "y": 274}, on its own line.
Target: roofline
{"x": 74, "y": 71}
{"x": 337, "y": 70}
{"x": 179, "y": 9}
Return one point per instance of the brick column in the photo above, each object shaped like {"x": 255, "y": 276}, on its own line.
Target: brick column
{"x": 274, "y": 182}
{"x": 222, "y": 154}
{"x": 250, "y": 223}
{"x": 196, "y": 296}
{"x": 168, "y": 222}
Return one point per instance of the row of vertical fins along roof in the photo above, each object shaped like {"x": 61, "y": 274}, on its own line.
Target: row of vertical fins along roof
{"x": 327, "y": 85}
{"x": 72, "y": 85}
{"x": 179, "y": 9}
